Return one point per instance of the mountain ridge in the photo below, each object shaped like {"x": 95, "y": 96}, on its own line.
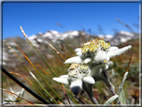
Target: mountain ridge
{"x": 55, "y": 38}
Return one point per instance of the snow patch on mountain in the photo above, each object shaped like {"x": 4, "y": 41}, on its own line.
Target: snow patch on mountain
{"x": 12, "y": 43}
{"x": 123, "y": 39}
{"x": 32, "y": 37}
{"x": 3, "y": 57}
{"x": 39, "y": 40}
{"x": 106, "y": 37}
{"x": 47, "y": 35}
{"x": 54, "y": 32}
{"x": 126, "y": 33}
{"x": 74, "y": 33}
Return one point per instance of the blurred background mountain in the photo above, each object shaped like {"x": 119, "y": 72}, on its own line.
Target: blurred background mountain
{"x": 74, "y": 39}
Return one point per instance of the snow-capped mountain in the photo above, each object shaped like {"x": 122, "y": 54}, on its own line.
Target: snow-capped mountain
{"x": 54, "y": 37}
{"x": 106, "y": 37}
{"x": 123, "y": 36}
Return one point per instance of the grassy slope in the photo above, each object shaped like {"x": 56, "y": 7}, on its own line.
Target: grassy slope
{"x": 57, "y": 64}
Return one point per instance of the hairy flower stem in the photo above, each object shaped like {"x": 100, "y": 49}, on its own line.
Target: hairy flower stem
{"x": 93, "y": 99}
{"x": 110, "y": 86}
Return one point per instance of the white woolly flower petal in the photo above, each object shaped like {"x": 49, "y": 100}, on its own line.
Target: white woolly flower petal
{"x": 100, "y": 56}
{"x": 64, "y": 76}
{"x": 76, "y": 86}
{"x": 11, "y": 98}
{"x": 76, "y": 59}
{"x": 87, "y": 60}
{"x": 22, "y": 92}
{"x": 108, "y": 58}
{"x": 113, "y": 48}
{"x": 77, "y": 50}
{"x": 61, "y": 79}
{"x": 79, "y": 53}
{"x": 89, "y": 79}
{"x": 106, "y": 66}
{"x": 110, "y": 63}
{"x": 118, "y": 51}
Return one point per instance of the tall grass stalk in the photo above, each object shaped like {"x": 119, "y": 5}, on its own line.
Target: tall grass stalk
{"x": 63, "y": 60}
{"x": 30, "y": 83}
{"x": 37, "y": 51}
{"x": 43, "y": 71}
{"x": 57, "y": 51}
{"x": 49, "y": 99}
{"x": 21, "y": 62}
{"x": 38, "y": 72}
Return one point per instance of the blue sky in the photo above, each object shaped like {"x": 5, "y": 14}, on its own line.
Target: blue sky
{"x": 41, "y": 17}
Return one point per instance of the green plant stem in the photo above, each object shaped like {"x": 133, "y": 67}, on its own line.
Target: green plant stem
{"x": 93, "y": 99}
{"x": 24, "y": 66}
{"x": 51, "y": 88}
{"x": 22, "y": 85}
{"x": 39, "y": 91}
{"x": 43, "y": 88}
{"x": 37, "y": 51}
{"x": 79, "y": 99}
{"x": 110, "y": 86}
{"x": 38, "y": 72}
{"x": 71, "y": 96}
{"x": 43, "y": 59}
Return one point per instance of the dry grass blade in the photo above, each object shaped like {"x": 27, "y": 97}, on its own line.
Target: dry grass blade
{"x": 66, "y": 93}
{"x": 37, "y": 51}
{"x": 38, "y": 72}
{"x": 23, "y": 32}
{"x": 30, "y": 83}
{"x": 64, "y": 60}
{"x": 43, "y": 70}
{"x": 57, "y": 51}
{"x": 21, "y": 76}
{"x": 129, "y": 62}
{"x": 25, "y": 87}
{"x": 12, "y": 50}
{"x": 25, "y": 55}
{"x": 26, "y": 69}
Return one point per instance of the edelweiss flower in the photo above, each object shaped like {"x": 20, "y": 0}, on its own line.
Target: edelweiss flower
{"x": 77, "y": 74}
{"x": 13, "y": 98}
{"x": 96, "y": 51}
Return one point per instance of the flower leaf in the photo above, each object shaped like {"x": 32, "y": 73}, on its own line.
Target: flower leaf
{"x": 122, "y": 83}
{"x": 97, "y": 69}
{"x": 97, "y": 78}
{"x": 122, "y": 97}
{"x": 111, "y": 99}
{"x": 101, "y": 78}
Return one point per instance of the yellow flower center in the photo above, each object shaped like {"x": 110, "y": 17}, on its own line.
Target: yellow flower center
{"x": 72, "y": 73}
{"x": 73, "y": 66}
{"x": 93, "y": 45}
{"x": 84, "y": 67}
{"x": 104, "y": 44}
